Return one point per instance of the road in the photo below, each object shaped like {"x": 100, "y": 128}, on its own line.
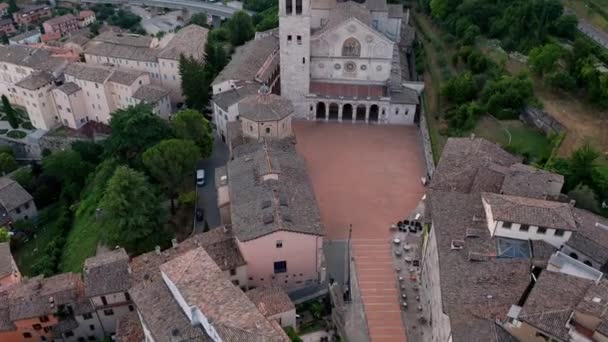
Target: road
{"x": 207, "y": 195}
{"x": 593, "y": 32}
{"x": 214, "y": 9}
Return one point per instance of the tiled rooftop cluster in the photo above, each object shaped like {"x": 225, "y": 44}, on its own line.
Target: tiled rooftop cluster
{"x": 488, "y": 282}
{"x": 270, "y": 191}
{"x": 196, "y": 268}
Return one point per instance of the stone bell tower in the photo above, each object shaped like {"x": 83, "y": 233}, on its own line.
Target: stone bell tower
{"x": 294, "y": 35}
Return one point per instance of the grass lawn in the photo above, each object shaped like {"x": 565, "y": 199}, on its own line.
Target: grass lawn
{"x": 81, "y": 243}
{"x": 524, "y": 140}
{"x": 29, "y": 252}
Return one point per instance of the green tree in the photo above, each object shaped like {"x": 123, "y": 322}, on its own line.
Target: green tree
{"x": 7, "y": 163}
{"x": 543, "y": 59}
{"x": 4, "y": 235}
{"x": 460, "y": 89}
{"x": 134, "y": 130}
{"x": 507, "y": 96}
{"x": 582, "y": 166}
{"x": 70, "y": 169}
{"x": 195, "y": 82}
{"x": 565, "y": 26}
{"x": 585, "y": 198}
{"x": 267, "y": 19}
{"x": 94, "y": 28}
{"x": 12, "y": 6}
{"x": 560, "y": 80}
{"x": 89, "y": 151}
{"x": 169, "y": 162}
{"x": 131, "y": 210}
{"x": 192, "y": 125}
{"x": 200, "y": 19}
{"x": 241, "y": 28}
{"x": 439, "y": 8}
{"x": 25, "y": 178}
{"x": 11, "y": 116}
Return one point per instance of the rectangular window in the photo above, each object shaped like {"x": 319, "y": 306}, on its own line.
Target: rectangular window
{"x": 559, "y": 232}
{"x": 541, "y": 230}
{"x": 44, "y": 319}
{"x": 27, "y": 335}
{"x": 91, "y": 327}
{"x": 299, "y": 40}
{"x": 233, "y": 271}
{"x": 127, "y": 296}
{"x": 280, "y": 267}
{"x": 524, "y": 228}
{"x": 48, "y": 329}
{"x": 104, "y": 301}
{"x": 298, "y": 6}
{"x": 235, "y": 282}
{"x": 289, "y": 38}
{"x": 506, "y": 225}
{"x": 108, "y": 312}
{"x": 87, "y": 316}
{"x": 279, "y": 243}
{"x": 37, "y": 326}
{"x": 288, "y": 6}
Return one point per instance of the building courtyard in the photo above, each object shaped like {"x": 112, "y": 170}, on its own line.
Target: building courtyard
{"x": 368, "y": 177}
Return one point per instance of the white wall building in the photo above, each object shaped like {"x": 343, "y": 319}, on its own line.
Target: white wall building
{"x": 529, "y": 219}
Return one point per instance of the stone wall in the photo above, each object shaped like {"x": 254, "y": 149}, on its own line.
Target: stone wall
{"x": 541, "y": 120}
{"x": 59, "y": 143}
{"x": 426, "y": 141}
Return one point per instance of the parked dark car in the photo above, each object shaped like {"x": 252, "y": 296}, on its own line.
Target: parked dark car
{"x": 199, "y": 214}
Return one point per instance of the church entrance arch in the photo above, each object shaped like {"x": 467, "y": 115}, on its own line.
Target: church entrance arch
{"x": 347, "y": 112}
{"x": 373, "y": 113}
{"x": 361, "y": 113}
{"x": 333, "y": 111}
{"x": 320, "y": 111}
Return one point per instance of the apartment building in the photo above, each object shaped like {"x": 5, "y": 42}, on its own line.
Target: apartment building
{"x": 26, "y": 38}
{"x": 32, "y": 14}
{"x": 61, "y": 25}
{"x": 3, "y": 9}
{"x": 198, "y": 303}
{"x": 158, "y": 58}
{"x": 9, "y": 273}
{"x": 274, "y": 215}
{"x": 15, "y": 203}
{"x": 506, "y": 257}
{"x": 7, "y": 27}
{"x": 86, "y": 18}
{"x": 107, "y": 281}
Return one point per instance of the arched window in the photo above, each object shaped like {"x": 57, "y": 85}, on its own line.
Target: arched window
{"x": 351, "y": 48}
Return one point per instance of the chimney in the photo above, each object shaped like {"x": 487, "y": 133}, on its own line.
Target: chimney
{"x": 157, "y": 249}
{"x": 572, "y": 203}
{"x": 472, "y": 136}
{"x": 174, "y": 243}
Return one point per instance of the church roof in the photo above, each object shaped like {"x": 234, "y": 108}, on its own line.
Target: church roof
{"x": 345, "y": 11}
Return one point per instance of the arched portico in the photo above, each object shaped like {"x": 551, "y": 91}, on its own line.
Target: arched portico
{"x": 361, "y": 110}
{"x": 333, "y": 111}
{"x": 373, "y": 113}
{"x": 347, "y": 112}
{"x": 320, "y": 111}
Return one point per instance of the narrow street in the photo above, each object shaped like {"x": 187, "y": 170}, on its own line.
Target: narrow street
{"x": 207, "y": 195}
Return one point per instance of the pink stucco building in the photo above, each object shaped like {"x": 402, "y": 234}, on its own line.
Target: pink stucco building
{"x": 274, "y": 215}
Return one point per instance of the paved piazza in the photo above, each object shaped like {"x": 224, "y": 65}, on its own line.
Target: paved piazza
{"x": 367, "y": 176}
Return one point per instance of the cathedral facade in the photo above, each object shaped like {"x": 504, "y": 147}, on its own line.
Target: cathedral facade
{"x": 341, "y": 61}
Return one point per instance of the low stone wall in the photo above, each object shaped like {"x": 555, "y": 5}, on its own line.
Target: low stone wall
{"x": 59, "y": 142}
{"x": 541, "y": 120}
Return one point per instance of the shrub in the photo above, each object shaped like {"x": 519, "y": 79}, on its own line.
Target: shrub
{"x": 27, "y": 125}
{"x": 16, "y": 134}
